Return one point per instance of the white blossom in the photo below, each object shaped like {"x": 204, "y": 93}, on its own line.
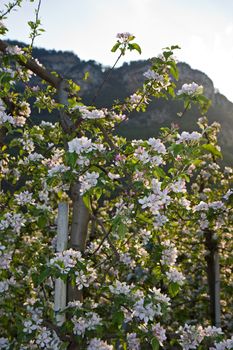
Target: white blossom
{"x": 223, "y": 345}
{"x": 85, "y": 279}
{"x": 160, "y": 220}
{"x": 76, "y": 304}
{"x": 159, "y": 296}
{"x": 47, "y": 124}
{"x": 4, "y": 286}
{"x": 4, "y": 343}
{"x": 157, "y": 145}
{"x": 97, "y": 344}
{"x": 29, "y": 327}
{"x": 169, "y": 255}
{"x": 187, "y": 137}
{"x": 217, "y": 205}
{"x": 201, "y": 206}
{"x": 93, "y": 114}
{"x": 135, "y": 99}
{"x": 178, "y": 186}
{"x": 120, "y": 288}
{"x": 133, "y": 341}
{"x": 88, "y": 180}
{"x": 190, "y": 336}
{"x": 23, "y": 198}
{"x": 124, "y": 37}
{"x": 14, "y": 50}
{"x": 159, "y": 332}
{"x": 5, "y": 257}
{"x": 150, "y": 74}
{"x": 175, "y": 276}
{"x": 58, "y": 169}
{"x": 145, "y": 312}
{"x": 33, "y": 157}
{"x": 44, "y": 338}
{"x": 14, "y": 220}
{"x": 126, "y": 259}
{"x": 192, "y": 89}
{"x": 80, "y": 145}
{"x": 66, "y": 260}
{"x": 89, "y": 322}
{"x": 228, "y": 194}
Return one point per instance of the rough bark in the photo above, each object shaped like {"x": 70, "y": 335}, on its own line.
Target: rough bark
{"x": 78, "y": 234}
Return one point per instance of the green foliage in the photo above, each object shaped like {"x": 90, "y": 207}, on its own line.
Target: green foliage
{"x": 151, "y": 205}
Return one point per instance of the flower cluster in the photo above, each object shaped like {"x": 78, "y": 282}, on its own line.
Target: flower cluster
{"x": 96, "y": 343}
{"x": 90, "y": 114}
{"x": 192, "y": 89}
{"x": 88, "y": 180}
{"x": 188, "y": 137}
{"x": 150, "y": 74}
{"x": 66, "y": 260}
{"x": 146, "y": 311}
{"x": 120, "y": 288}
{"x": 83, "y": 324}
{"x": 192, "y": 336}
{"x": 15, "y": 221}
{"x": 145, "y": 206}
{"x": 125, "y": 37}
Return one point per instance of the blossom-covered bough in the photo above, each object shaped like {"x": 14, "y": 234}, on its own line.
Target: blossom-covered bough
{"x": 146, "y": 217}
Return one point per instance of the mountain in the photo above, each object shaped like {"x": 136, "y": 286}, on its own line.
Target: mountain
{"x": 126, "y": 79}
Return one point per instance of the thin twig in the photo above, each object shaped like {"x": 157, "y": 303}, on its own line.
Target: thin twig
{"x": 34, "y": 30}
{"x": 11, "y": 6}
{"x": 106, "y": 78}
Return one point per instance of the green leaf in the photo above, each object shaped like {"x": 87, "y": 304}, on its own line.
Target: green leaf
{"x": 122, "y": 230}
{"x": 38, "y": 279}
{"x": 175, "y": 47}
{"x": 118, "y": 317}
{"x": 155, "y": 343}
{"x": 119, "y": 226}
{"x": 42, "y": 221}
{"x": 23, "y": 58}
{"x": 212, "y": 149}
{"x": 86, "y": 200}
{"x": 171, "y": 91}
{"x": 115, "y": 47}
{"x": 72, "y": 159}
{"x": 135, "y": 46}
{"x": 86, "y": 76}
{"x": 174, "y": 70}
{"x": 176, "y": 149}
{"x": 173, "y": 289}
{"x": 98, "y": 193}
{"x": 167, "y": 54}
{"x": 197, "y": 162}
{"x": 159, "y": 172}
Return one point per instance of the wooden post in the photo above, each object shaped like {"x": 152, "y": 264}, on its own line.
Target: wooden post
{"x": 62, "y": 239}
{"x": 213, "y": 275}
{"x": 217, "y": 290}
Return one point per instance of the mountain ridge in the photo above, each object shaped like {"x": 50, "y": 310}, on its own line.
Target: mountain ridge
{"x": 125, "y": 79}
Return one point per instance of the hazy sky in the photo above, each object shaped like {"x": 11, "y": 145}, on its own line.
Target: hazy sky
{"x": 202, "y": 28}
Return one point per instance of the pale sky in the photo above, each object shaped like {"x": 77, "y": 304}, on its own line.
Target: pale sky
{"x": 202, "y": 28}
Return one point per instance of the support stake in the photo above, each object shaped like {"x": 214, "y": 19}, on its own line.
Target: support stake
{"x": 62, "y": 239}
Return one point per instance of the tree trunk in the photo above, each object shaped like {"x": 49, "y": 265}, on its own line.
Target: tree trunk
{"x": 80, "y": 214}
{"x": 78, "y": 235}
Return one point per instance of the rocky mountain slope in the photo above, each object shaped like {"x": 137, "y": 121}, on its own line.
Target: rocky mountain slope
{"x": 126, "y": 79}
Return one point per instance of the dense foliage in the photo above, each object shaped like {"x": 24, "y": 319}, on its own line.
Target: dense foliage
{"x": 156, "y": 209}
